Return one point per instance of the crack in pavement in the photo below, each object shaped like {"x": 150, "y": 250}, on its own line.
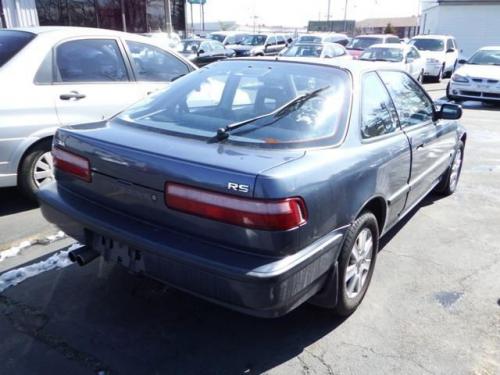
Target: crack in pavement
{"x": 321, "y": 359}
{"x": 31, "y": 321}
{"x": 388, "y": 355}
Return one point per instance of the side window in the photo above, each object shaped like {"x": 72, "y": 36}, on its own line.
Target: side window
{"x": 271, "y": 41}
{"x": 455, "y": 44}
{"x": 217, "y": 46}
{"x": 206, "y": 47}
{"x": 393, "y": 40}
{"x": 378, "y": 116}
{"x": 412, "y": 104}
{"x": 449, "y": 45}
{"x": 414, "y": 53}
{"x": 154, "y": 64}
{"x": 90, "y": 60}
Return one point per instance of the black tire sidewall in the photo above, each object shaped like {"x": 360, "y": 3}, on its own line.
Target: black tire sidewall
{"x": 25, "y": 180}
{"x": 346, "y": 305}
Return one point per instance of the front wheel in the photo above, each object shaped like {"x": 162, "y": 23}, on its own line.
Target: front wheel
{"x": 356, "y": 263}
{"x": 452, "y": 175}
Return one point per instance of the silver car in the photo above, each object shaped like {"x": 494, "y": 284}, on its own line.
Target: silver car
{"x": 57, "y": 76}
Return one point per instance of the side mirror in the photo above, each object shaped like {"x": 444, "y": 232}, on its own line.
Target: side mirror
{"x": 449, "y": 111}
{"x": 200, "y": 51}
{"x": 451, "y": 50}
{"x": 462, "y": 61}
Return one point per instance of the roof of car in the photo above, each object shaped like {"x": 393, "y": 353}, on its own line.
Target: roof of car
{"x": 432, "y": 36}
{"x": 354, "y": 66}
{"x": 490, "y": 48}
{"x": 390, "y": 45}
{"x": 68, "y": 30}
{"x": 376, "y": 36}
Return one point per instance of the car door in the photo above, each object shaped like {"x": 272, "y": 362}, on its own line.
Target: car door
{"x": 270, "y": 46}
{"x": 92, "y": 80}
{"x": 387, "y": 145}
{"x": 219, "y": 50}
{"x": 280, "y": 43}
{"x": 153, "y": 67}
{"x": 431, "y": 142}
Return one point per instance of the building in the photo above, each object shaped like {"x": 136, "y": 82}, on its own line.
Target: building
{"x": 404, "y": 27}
{"x": 346, "y": 27}
{"x": 127, "y": 15}
{"x": 474, "y": 24}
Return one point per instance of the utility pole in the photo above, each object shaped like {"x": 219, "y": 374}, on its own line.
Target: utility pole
{"x": 191, "y": 12}
{"x": 345, "y": 16}
{"x": 328, "y": 15}
{"x": 3, "y": 21}
{"x": 168, "y": 17}
{"x": 124, "y": 19}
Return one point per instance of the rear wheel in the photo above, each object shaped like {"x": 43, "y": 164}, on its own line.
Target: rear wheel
{"x": 356, "y": 263}
{"x": 36, "y": 169}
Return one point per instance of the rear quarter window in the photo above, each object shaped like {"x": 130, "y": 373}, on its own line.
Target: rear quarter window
{"x": 11, "y": 42}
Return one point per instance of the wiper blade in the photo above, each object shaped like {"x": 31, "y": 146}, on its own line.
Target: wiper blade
{"x": 223, "y": 133}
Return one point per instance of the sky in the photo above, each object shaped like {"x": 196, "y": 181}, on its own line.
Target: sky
{"x": 299, "y": 12}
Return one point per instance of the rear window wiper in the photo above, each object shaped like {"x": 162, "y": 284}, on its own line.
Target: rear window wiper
{"x": 294, "y": 104}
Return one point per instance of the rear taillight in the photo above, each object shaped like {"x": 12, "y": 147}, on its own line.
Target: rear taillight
{"x": 73, "y": 164}
{"x": 280, "y": 214}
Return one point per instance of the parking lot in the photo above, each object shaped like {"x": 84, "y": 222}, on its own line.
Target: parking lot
{"x": 433, "y": 306}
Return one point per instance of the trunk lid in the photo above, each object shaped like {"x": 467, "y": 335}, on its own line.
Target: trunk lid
{"x": 130, "y": 167}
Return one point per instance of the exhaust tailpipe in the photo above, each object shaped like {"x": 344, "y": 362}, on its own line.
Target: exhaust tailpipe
{"x": 83, "y": 255}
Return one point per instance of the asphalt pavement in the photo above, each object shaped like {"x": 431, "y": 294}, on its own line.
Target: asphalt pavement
{"x": 433, "y": 306}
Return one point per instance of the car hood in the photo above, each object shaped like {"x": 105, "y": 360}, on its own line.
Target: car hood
{"x": 480, "y": 71}
{"x": 432, "y": 55}
{"x": 238, "y": 47}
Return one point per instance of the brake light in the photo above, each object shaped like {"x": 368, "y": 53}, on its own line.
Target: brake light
{"x": 280, "y": 214}
{"x": 73, "y": 164}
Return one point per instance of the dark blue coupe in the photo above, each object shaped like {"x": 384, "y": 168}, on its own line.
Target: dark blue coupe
{"x": 258, "y": 184}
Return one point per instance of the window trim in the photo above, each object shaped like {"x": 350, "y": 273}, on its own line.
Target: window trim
{"x": 56, "y": 79}
{"x": 377, "y": 138}
{"x": 434, "y": 112}
{"x": 128, "y": 55}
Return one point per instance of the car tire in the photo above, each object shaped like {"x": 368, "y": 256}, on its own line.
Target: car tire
{"x": 352, "y": 263}
{"x": 451, "y": 177}
{"x": 440, "y": 76}
{"x": 449, "y": 95}
{"x": 37, "y": 160}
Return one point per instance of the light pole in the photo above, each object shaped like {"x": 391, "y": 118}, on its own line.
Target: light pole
{"x": 328, "y": 15}
{"x": 345, "y": 16}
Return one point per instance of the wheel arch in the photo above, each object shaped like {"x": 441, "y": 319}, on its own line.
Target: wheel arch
{"x": 377, "y": 206}
{"x": 28, "y": 149}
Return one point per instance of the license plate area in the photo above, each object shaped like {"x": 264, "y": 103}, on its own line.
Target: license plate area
{"x": 114, "y": 251}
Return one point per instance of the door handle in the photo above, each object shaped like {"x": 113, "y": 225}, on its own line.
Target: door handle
{"x": 72, "y": 95}
{"x": 420, "y": 147}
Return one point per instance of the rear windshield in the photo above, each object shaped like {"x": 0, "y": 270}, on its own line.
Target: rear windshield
{"x": 363, "y": 42}
{"x": 310, "y": 39}
{"x": 428, "y": 44}
{"x": 11, "y": 42}
{"x": 382, "y": 54}
{"x": 304, "y": 50}
{"x": 230, "y": 92}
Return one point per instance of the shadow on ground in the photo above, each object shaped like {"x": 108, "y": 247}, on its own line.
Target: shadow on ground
{"x": 13, "y": 201}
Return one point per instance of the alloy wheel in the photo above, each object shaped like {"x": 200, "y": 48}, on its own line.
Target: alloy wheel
{"x": 43, "y": 171}
{"x": 359, "y": 263}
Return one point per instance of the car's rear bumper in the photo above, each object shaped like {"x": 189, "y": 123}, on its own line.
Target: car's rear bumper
{"x": 432, "y": 69}
{"x": 257, "y": 285}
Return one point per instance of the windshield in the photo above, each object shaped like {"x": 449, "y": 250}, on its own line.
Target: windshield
{"x": 382, "y": 54}
{"x": 235, "y": 39}
{"x": 485, "y": 57}
{"x": 363, "y": 43}
{"x": 11, "y": 42}
{"x": 229, "y": 92}
{"x": 253, "y": 40}
{"x": 428, "y": 44}
{"x": 217, "y": 37}
{"x": 308, "y": 50}
{"x": 187, "y": 46}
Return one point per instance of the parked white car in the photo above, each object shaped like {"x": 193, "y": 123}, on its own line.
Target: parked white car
{"x": 57, "y": 76}
{"x": 402, "y": 56}
{"x": 477, "y": 78}
{"x": 167, "y": 40}
{"x": 441, "y": 53}
{"x": 318, "y": 50}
